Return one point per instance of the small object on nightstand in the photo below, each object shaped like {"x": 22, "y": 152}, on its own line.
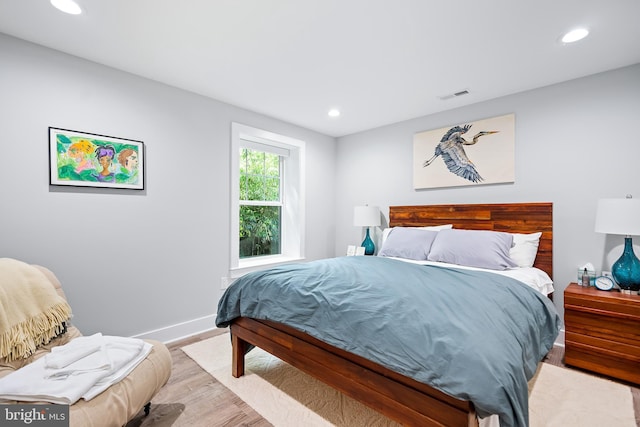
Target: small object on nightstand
{"x": 591, "y": 273}
{"x": 605, "y": 283}
{"x": 585, "y": 278}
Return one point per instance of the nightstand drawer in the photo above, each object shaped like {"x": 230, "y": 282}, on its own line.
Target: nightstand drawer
{"x": 598, "y": 302}
{"x": 614, "y": 349}
{"x": 593, "y": 359}
{"x": 602, "y": 326}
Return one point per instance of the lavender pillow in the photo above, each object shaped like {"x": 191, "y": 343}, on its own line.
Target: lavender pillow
{"x": 409, "y": 243}
{"x": 473, "y": 248}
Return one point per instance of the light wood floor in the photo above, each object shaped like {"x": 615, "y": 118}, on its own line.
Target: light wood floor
{"x": 194, "y": 398}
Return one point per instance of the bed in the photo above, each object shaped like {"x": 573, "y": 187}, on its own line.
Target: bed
{"x": 389, "y": 390}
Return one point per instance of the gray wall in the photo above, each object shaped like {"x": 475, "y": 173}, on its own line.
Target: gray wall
{"x": 132, "y": 263}
{"x": 150, "y": 263}
{"x": 576, "y": 142}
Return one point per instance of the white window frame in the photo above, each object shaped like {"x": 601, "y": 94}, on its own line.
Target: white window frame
{"x": 293, "y": 196}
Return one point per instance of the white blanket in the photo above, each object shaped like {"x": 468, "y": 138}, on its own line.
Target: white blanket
{"x": 83, "y": 368}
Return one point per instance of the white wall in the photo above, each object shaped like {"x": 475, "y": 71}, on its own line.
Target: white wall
{"x": 576, "y": 142}
{"x": 132, "y": 262}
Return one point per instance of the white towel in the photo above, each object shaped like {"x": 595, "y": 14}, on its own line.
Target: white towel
{"x": 62, "y": 356}
{"x": 122, "y": 363}
{"x": 33, "y": 382}
{"x": 80, "y": 356}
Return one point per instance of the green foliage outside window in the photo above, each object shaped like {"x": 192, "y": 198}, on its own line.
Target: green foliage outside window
{"x": 260, "y": 220}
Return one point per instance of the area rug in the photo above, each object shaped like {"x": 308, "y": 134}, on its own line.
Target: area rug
{"x": 285, "y": 396}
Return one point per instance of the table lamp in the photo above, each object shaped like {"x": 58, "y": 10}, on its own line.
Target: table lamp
{"x": 622, "y": 216}
{"x": 367, "y": 216}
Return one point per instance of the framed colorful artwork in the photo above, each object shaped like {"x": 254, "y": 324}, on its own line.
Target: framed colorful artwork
{"x": 471, "y": 153}
{"x": 84, "y": 159}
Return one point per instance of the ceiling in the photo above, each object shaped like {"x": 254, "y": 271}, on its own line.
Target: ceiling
{"x": 378, "y": 61}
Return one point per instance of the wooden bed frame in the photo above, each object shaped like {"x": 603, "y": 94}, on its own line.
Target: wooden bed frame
{"x": 396, "y": 396}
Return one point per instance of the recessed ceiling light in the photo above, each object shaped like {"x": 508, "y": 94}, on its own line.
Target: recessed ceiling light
{"x": 67, "y": 6}
{"x": 575, "y": 35}
{"x": 334, "y": 112}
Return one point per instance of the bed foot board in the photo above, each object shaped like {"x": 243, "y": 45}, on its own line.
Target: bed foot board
{"x": 400, "y": 398}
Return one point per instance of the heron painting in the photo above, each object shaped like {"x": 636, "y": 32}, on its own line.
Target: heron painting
{"x": 491, "y": 148}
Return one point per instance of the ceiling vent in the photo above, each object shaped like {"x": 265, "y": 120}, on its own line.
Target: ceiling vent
{"x": 454, "y": 95}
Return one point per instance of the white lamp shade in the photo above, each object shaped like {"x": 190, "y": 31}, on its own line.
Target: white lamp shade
{"x": 366, "y": 216}
{"x": 618, "y": 216}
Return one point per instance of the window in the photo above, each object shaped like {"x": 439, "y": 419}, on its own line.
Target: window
{"x": 260, "y": 202}
{"x": 267, "y": 207}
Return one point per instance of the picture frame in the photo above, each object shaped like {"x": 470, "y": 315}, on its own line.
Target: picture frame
{"x": 83, "y": 159}
{"x": 452, "y": 156}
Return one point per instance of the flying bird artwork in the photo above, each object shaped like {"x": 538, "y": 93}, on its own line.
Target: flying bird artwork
{"x": 451, "y": 149}
{"x": 469, "y": 153}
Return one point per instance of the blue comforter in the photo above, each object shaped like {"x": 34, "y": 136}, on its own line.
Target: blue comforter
{"x": 474, "y": 335}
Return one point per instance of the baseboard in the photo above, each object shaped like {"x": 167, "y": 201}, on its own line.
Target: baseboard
{"x": 180, "y": 331}
{"x": 560, "y": 339}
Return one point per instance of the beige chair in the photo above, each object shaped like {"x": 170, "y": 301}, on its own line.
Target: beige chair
{"x": 122, "y": 401}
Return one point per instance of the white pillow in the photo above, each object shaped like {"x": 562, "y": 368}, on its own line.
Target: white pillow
{"x": 525, "y": 249}
{"x": 386, "y": 231}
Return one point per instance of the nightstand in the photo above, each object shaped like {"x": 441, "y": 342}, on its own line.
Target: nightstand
{"x": 602, "y": 332}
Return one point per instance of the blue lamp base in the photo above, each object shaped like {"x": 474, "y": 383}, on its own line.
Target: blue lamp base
{"x": 367, "y": 244}
{"x": 626, "y": 270}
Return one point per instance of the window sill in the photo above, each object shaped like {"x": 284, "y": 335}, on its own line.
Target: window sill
{"x": 247, "y": 266}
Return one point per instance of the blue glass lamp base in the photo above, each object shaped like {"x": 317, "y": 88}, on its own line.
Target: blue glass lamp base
{"x": 367, "y": 244}
{"x": 626, "y": 270}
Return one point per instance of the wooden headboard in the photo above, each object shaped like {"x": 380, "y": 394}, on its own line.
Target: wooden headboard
{"x": 511, "y": 218}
